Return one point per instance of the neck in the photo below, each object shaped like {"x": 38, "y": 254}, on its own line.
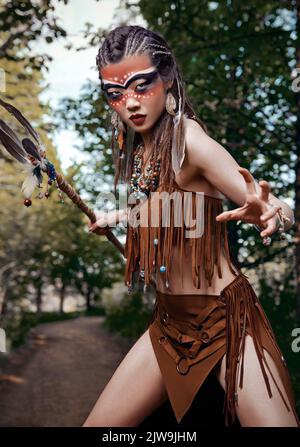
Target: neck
{"x": 146, "y": 141}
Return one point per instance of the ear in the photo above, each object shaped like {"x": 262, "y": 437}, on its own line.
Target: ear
{"x": 169, "y": 85}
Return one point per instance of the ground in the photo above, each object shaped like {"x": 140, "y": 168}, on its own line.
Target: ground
{"x": 56, "y": 377}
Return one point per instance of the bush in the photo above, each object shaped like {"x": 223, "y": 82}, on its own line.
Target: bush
{"x": 129, "y": 317}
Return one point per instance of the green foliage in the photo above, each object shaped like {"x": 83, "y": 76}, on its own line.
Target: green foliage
{"x": 283, "y": 319}
{"x": 24, "y": 21}
{"x": 129, "y": 317}
{"x": 17, "y": 328}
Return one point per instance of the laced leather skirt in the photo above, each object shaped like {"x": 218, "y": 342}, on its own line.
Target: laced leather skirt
{"x": 191, "y": 333}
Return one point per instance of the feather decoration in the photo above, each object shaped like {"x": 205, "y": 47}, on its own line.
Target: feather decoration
{"x": 31, "y": 148}
{"x": 176, "y": 159}
{"x": 37, "y": 172}
{"x": 29, "y": 185}
{"x": 18, "y": 115}
{"x": 13, "y": 145}
{"x": 10, "y": 132}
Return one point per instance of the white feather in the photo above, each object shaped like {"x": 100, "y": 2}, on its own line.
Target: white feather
{"x": 28, "y": 168}
{"x": 28, "y": 185}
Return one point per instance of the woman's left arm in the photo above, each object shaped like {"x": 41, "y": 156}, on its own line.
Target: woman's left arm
{"x": 216, "y": 164}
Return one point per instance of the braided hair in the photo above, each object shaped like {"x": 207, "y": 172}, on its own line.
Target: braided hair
{"x": 131, "y": 40}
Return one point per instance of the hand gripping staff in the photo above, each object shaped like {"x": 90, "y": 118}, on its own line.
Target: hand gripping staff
{"x": 33, "y": 157}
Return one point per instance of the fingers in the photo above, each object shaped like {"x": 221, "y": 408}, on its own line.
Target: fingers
{"x": 270, "y": 229}
{"x": 250, "y": 184}
{"x": 265, "y": 190}
{"x": 228, "y": 215}
{"x": 96, "y": 226}
{"x": 270, "y": 213}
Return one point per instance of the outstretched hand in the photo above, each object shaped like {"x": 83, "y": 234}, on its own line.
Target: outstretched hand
{"x": 256, "y": 209}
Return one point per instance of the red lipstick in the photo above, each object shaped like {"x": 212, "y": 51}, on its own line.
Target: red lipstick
{"x": 138, "y": 118}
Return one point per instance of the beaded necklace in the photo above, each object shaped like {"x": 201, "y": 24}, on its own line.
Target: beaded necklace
{"x": 141, "y": 183}
{"x": 144, "y": 182}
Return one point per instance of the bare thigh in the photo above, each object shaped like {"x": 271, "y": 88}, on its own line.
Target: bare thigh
{"x": 255, "y": 407}
{"x": 134, "y": 391}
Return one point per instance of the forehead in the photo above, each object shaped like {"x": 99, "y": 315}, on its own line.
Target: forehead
{"x": 124, "y": 69}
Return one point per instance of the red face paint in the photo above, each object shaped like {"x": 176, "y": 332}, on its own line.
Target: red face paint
{"x": 144, "y": 91}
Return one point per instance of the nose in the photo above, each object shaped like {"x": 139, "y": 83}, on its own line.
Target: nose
{"x": 132, "y": 103}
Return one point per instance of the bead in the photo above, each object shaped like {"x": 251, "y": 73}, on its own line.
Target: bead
{"x": 27, "y": 202}
{"x": 267, "y": 241}
{"x": 162, "y": 268}
{"x": 142, "y": 273}
{"x": 47, "y": 195}
{"x": 155, "y": 241}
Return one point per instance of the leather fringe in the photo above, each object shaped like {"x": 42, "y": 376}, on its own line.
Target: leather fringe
{"x": 241, "y": 305}
{"x": 169, "y": 229}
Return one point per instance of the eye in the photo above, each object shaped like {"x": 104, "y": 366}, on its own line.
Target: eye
{"x": 142, "y": 87}
{"x": 111, "y": 95}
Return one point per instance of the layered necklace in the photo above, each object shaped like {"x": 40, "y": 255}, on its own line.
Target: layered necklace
{"x": 144, "y": 182}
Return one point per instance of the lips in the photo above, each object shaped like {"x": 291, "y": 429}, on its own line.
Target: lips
{"x": 138, "y": 118}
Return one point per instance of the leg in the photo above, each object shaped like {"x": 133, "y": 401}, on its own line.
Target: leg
{"x": 255, "y": 407}
{"x": 134, "y": 391}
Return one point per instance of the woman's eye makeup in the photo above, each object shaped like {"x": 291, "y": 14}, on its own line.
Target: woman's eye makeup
{"x": 140, "y": 88}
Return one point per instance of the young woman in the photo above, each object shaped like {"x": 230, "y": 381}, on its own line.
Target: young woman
{"x": 207, "y": 318}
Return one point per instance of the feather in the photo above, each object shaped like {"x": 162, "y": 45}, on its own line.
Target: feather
{"x": 18, "y": 115}
{"x": 28, "y": 185}
{"x": 38, "y": 174}
{"x": 174, "y": 148}
{"x": 10, "y": 132}
{"x": 31, "y": 148}
{"x": 13, "y": 147}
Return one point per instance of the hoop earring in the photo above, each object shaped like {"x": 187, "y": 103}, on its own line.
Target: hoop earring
{"x": 170, "y": 104}
{"x": 118, "y": 128}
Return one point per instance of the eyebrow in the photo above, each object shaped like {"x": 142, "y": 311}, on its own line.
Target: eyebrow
{"x": 145, "y": 75}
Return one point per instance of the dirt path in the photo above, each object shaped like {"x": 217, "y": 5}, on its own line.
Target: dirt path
{"x": 56, "y": 377}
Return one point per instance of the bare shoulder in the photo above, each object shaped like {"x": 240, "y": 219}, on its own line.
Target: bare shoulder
{"x": 201, "y": 148}
{"x": 193, "y": 129}
{"x": 196, "y": 140}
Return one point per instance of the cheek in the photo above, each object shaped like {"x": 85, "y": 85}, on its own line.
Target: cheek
{"x": 116, "y": 105}
{"x": 154, "y": 96}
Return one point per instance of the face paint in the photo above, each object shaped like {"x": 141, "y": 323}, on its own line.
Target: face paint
{"x": 143, "y": 83}
{"x": 133, "y": 86}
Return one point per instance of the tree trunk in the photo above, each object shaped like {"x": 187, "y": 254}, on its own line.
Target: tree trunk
{"x": 62, "y": 294}
{"x": 88, "y": 299}
{"x": 39, "y": 299}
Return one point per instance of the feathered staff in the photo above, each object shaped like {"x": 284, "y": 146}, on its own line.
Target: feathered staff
{"x": 33, "y": 158}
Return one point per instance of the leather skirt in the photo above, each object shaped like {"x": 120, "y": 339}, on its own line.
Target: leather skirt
{"x": 191, "y": 333}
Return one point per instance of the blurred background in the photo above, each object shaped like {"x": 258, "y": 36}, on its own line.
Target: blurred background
{"x": 66, "y": 318}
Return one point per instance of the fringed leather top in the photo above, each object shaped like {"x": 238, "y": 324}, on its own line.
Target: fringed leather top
{"x": 179, "y": 218}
